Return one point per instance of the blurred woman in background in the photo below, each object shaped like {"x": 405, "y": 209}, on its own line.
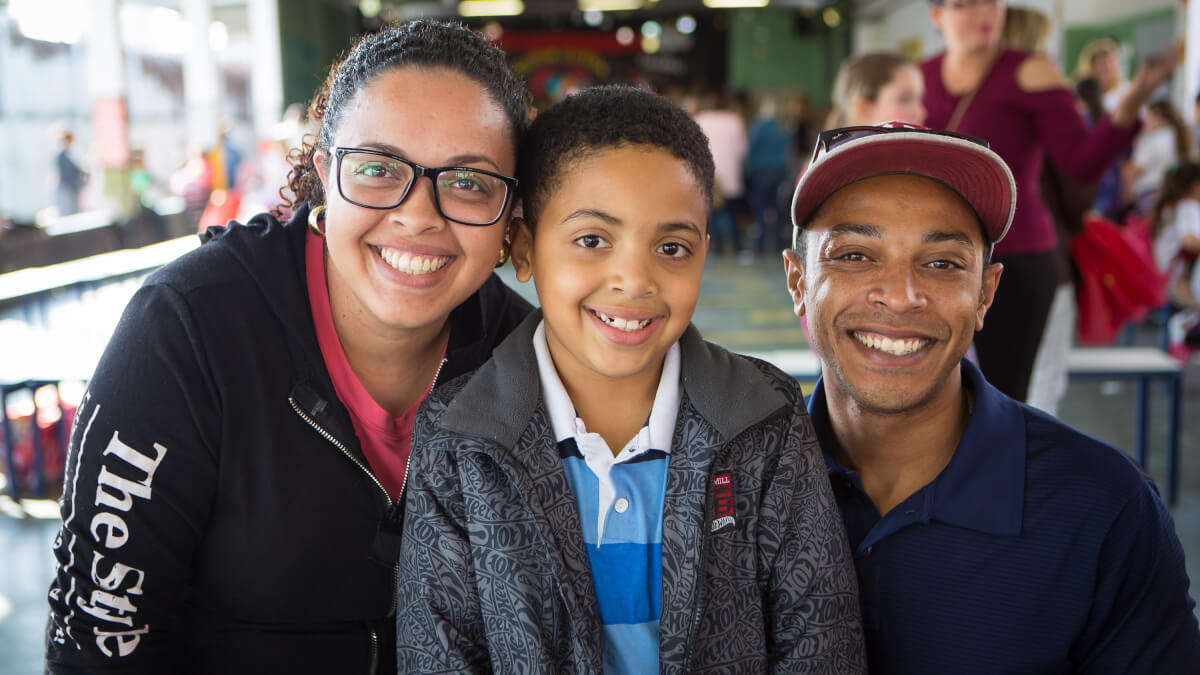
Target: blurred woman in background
{"x": 876, "y": 87}
{"x": 1019, "y": 102}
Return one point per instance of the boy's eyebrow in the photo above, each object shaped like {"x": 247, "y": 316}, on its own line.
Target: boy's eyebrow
{"x": 610, "y": 219}
{"x": 686, "y": 225}
{"x": 593, "y": 213}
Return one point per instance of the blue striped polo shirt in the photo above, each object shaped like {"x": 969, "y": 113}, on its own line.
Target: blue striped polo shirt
{"x": 620, "y": 502}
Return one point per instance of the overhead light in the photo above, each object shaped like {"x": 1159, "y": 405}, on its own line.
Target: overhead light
{"x": 731, "y": 4}
{"x": 832, "y": 17}
{"x": 686, "y": 24}
{"x": 625, "y": 36}
{"x": 609, "y": 5}
{"x": 62, "y": 22}
{"x": 652, "y": 30}
{"x": 593, "y": 18}
{"x": 490, "y": 7}
{"x": 370, "y": 8}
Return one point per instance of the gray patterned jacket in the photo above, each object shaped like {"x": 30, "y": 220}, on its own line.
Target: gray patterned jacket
{"x": 494, "y": 573}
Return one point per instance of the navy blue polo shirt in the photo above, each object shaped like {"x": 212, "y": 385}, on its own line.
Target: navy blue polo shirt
{"x": 1037, "y": 549}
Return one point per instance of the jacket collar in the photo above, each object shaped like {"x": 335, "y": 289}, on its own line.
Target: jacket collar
{"x": 712, "y": 379}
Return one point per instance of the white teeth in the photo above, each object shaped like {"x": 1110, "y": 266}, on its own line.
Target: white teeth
{"x": 890, "y": 346}
{"x": 623, "y": 324}
{"x": 412, "y": 264}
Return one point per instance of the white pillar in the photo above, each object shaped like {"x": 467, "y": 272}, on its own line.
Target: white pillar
{"x": 1191, "y": 62}
{"x": 266, "y": 66}
{"x": 106, "y": 93}
{"x": 201, "y": 93}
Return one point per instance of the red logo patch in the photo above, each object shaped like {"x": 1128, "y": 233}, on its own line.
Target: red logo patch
{"x": 722, "y": 502}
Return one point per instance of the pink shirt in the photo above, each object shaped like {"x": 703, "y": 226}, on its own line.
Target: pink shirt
{"x": 385, "y": 440}
{"x": 727, "y": 140}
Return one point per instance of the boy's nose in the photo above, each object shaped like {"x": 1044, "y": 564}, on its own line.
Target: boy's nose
{"x": 631, "y": 274}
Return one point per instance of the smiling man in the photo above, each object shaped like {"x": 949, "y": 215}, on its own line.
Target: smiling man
{"x": 987, "y": 536}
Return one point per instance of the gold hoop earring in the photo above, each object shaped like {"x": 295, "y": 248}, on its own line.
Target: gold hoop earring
{"x": 315, "y": 218}
{"x": 504, "y": 252}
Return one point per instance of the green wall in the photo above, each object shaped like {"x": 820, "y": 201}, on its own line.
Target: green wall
{"x": 766, "y": 53}
{"x": 312, "y": 34}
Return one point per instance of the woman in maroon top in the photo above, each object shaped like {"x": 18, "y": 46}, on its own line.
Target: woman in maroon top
{"x": 1020, "y": 103}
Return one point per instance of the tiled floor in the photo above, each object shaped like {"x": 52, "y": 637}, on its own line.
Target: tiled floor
{"x": 744, "y": 307}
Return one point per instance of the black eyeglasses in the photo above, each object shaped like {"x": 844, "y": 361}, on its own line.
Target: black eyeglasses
{"x": 828, "y": 140}
{"x": 374, "y": 179}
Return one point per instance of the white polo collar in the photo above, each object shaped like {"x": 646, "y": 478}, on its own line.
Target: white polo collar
{"x": 657, "y": 434}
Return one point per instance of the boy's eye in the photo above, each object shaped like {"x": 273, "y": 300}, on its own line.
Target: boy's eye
{"x": 591, "y": 241}
{"x": 674, "y": 249}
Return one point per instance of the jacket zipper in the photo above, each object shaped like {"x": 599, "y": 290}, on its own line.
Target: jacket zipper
{"x": 699, "y": 604}
{"x": 374, "y": 662}
{"x": 371, "y": 635}
{"x": 704, "y": 534}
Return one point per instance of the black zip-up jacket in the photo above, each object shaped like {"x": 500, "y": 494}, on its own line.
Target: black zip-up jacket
{"x": 219, "y": 515}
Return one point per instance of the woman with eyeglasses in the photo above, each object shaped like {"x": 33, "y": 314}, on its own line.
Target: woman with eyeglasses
{"x": 1019, "y": 102}
{"x": 236, "y": 477}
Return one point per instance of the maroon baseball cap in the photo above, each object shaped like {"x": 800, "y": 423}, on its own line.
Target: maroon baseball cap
{"x": 963, "y": 163}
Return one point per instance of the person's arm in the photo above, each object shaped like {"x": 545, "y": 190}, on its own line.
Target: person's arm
{"x": 138, "y": 488}
{"x": 1079, "y": 152}
{"x": 439, "y": 621}
{"x": 813, "y": 623}
{"x": 1142, "y": 618}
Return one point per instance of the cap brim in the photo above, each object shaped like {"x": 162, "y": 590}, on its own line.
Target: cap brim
{"x": 976, "y": 173}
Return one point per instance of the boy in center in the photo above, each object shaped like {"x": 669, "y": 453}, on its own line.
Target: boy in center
{"x": 611, "y": 493}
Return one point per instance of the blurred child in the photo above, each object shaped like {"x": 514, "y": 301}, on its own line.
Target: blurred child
{"x": 611, "y": 493}
{"x": 1165, "y": 141}
{"x": 1175, "y": 229}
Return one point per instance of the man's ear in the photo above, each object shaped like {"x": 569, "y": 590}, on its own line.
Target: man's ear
{"x": 522, "y": 249}
{"x": 793, "y": 269}
{"x": 987, "y": 293}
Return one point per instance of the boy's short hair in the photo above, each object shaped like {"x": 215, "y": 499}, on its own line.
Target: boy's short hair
{"x": 605, "y": 118}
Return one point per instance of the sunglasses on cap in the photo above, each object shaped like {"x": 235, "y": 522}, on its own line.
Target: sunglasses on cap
{"x": 829, "y": 140}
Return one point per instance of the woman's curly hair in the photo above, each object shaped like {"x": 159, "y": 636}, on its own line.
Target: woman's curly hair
{"x": 430, "y": 44}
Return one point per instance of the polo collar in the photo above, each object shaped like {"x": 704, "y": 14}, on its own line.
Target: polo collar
{"x": 983, "y": 486}
{"x": 655, "y": 434}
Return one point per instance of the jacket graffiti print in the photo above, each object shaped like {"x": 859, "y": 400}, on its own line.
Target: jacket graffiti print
{"x": 494, "y": 572}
